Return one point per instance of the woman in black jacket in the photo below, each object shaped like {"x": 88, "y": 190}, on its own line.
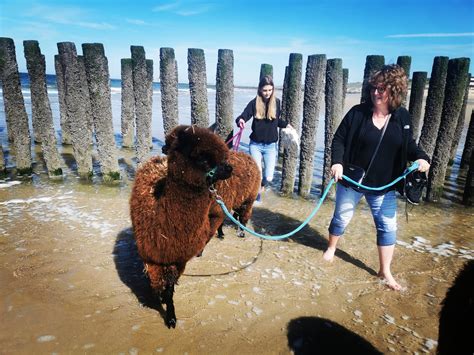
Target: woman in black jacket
{"x": 354, "y": 144}
{"x": 265, "y": 111}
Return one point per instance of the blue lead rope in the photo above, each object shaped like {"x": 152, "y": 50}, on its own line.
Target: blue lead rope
{"x": 409, "y": 170}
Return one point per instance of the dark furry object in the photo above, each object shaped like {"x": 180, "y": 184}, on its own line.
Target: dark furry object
{"x": 456, "y": 321}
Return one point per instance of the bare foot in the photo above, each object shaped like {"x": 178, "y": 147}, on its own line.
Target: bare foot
{"x": 390, "y": 281}
{"x": 329, "y": 254}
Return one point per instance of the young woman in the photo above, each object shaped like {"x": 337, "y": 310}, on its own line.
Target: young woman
{"x": 265, "y": 111}
{"x": 354, "y": 143}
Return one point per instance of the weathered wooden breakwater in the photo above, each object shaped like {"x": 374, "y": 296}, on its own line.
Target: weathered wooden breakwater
{"x": 86, "y": 120}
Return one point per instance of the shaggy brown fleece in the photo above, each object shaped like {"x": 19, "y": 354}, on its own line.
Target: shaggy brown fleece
{"x": 170, "y": 204}
{"x": 238, "y": 193}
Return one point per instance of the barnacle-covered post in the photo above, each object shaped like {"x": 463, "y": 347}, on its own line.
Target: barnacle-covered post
{"x": 333, "y": 113}
{"x": 169, "y": 89}
{"x": 127, "y": 115}
{"x": 198, "y": 87}
{"x": 405, "y": 62}
{"x": 76, "y": 95}
{"x": 455, "y": 87}
{"x": 373, "y": 63}
{"x": 225, "y": 93}
{"x": 293, "y": 112}
{"x": 417, "y": 93}
{"x": 42, "y": 115}
{"x": 460, "y": 124}
{"x": 15, "y": 111}
{"x": 312, "y": 102}
{"x": 266, "y": 69}
{"x": 434, "y": 105}
{"x": 98, "y": 79}
{"x": 143, "y": 101}
{"x": 63, "y": 120}
{"x": 468, "y": 143}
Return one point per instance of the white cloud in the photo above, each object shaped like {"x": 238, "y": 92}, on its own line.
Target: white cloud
{"x": 179, "y": 9}
{"x": 435, "y": 35}
{"x": 66, "y": 16}
{"x": 166, "y": 7}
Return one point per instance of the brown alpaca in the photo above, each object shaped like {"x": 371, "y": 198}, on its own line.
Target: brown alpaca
{"x": 170, "y": 205}
{"x": 238, "y": 193}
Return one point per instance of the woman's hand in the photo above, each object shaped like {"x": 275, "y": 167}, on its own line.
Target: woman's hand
{"x": 336, "y": 172}
{"x": 423, "y": 165}
{"x": 242, "y": 123}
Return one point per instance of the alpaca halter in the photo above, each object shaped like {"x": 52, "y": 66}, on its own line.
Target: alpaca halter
{"x": 211, "y": 172}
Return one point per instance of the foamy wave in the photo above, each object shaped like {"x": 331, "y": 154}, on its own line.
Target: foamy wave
{"x": 448, "y": 249}
{"x": 4, "y": 185}
{"x": 18, "y": 201}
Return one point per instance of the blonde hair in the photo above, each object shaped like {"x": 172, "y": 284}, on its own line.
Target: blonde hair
{"x": 394, "y": 79}
{"x": 265, "y": 109}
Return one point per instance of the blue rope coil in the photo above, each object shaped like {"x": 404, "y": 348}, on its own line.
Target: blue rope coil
{"x": 409, "y": 170}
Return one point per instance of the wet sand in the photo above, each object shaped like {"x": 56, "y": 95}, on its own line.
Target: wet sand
{"x": 72, "y": 282}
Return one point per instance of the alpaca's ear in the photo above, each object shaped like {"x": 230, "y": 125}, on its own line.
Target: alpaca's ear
{"x": 186, "y": 141}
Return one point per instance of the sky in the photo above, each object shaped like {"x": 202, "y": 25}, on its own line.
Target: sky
{"x": 257, "y": 32}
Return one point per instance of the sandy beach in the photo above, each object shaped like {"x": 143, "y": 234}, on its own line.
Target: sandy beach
{"x": 72, "y": 281}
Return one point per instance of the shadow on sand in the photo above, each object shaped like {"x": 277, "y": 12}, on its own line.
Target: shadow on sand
{"x": 314, "y": 335}
{"x": 130, "y": 270}
{"x": 278, "y": 224}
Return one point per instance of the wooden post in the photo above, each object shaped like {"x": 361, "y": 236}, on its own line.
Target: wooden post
{"x": 198, "y": 87}
{"x": 78, "y": 108}
{"x": 453, "y": 98}
{"x": 434, "y": 105}
{"x": 224, "y": 93}
{"x": 65, "y": 131}
{"x": 333, "y": 113}
{"x": 127, "y": 104}
{"x": 42, "y": 115}
{"x": 405, "y": 62}
{"x": 293, "y": 112}
{"x": 143, "y": 100}
{"x": 169, "y": 89}
{"x": 15, "y": 111}
{"x": 373, "y": 63}
{"x": 98, "y": 79}
{"x": 461, "y": 121}
{"x": 468, "y": 196}
{"x": 266, "y": 69}
{"x": 345, "y": 81}
{"x": 284, "y": 100}
{"x": 416, "y": 101}
{"x": 149, "y": 85}
{"x": 3, "y": 169}
{"x": 468, "y": 143}
{"x": 312, "y": 102}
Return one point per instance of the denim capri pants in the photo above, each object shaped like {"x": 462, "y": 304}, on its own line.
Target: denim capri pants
{"x": 383, "y": 208}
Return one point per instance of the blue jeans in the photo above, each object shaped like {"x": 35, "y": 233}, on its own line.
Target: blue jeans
{"x": 269, "y": 153}
{"x": 383, "y": 208}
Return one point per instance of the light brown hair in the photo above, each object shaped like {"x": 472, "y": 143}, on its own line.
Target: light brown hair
{"x": 265, "y": 109}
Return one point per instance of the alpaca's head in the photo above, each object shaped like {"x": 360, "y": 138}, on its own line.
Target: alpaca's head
{"x": 196, "y": 156}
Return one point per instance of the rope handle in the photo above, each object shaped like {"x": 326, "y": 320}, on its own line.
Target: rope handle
{"x": 407, "y": 171}
{"x": 237, "y": 138}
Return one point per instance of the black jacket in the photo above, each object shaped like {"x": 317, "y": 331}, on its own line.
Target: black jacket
{"x": 353, "y": 125}
{"x": 263, "y": 130}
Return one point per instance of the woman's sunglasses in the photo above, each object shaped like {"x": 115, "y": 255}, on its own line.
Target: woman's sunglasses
{"x": 380, "y": 89}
